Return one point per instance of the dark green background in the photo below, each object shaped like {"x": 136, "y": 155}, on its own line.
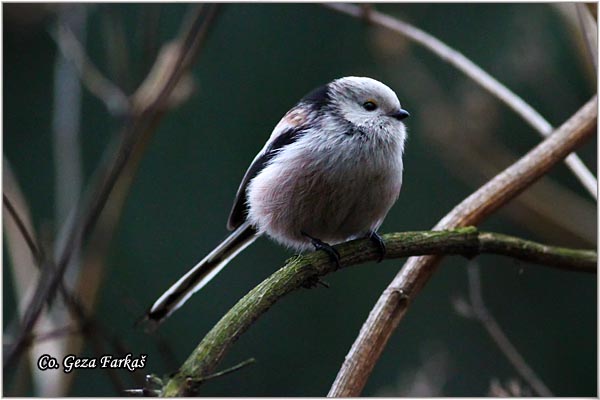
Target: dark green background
{"x": 258, "y": 61}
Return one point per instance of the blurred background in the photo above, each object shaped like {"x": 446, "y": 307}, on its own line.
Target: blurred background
{"x": 256, "y": 62}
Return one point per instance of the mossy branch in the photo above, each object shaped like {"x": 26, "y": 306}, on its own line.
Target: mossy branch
{"x": 304, "y": 271}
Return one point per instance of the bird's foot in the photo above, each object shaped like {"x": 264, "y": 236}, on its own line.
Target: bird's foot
{"x": 334, "y": 255}
{"x": 375, "y": 238}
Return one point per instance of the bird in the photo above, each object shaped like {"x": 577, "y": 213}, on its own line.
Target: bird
{"x": 330, "y": 172}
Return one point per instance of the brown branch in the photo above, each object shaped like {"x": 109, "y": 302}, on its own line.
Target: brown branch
{"x": 104, "y": 89}
{"x": 589, "y": 29}
{"x": 88, "y": 324}
{"x": 32, "y": 242}
{"x": 391, "y": 306}
{"x": 477, "y": 74}
{"x": 68, "y": 180}
{"x": 142, "y": 123}
{"x": 305, "y": 271}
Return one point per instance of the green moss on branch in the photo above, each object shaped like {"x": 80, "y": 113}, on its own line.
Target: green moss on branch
{"x": 301, "y": 271}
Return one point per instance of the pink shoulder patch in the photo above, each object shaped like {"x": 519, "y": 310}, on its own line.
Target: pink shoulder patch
{"x": 295, "y": 117}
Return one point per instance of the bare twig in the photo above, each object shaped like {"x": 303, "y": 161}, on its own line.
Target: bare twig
{"x": 88, "y": 325}
{"x": 589, "y": 31}
{"x": 229, "y": 370}
{"x": 493, "y": 328}
{"x": 59, "y": 332}
{"x": 111, "y": 95}
{"x": 142, "y": 392}
{"x": 510, "y": 388}
{"x": 303, "y": 271}
{"x": 191, "y": 381}
{"x": 141, "y": 124}
{"x": 26, "y": 253}
{"x": 473, "y": 153}
{"x": 66, "y": 121}
{"x": 478, "y": 75}
{"x": 391, "y": 306}
{"x": 28, "y": 237}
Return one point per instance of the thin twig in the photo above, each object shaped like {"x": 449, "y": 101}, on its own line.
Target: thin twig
{"x": 154, "y": 393}
{"x": 229, "y": 370}
{"x": 68, "y": 183}
{"x": 57, "y": 333}
{"x": 25, "y": 261}
{"x": 391, "y": 306}
{"x": 495, "y": 331}
{"x": 94, "y": 327}
{"x": 111, "y": 95}
{"x": 478, "y": 75}
{"x": 302, "y": 270}
{"x": 142, "y": 122}
{"x": 141, "y": 392}
{"x": 477, "y": 161}
{"x": 32, "y": 243}
{"x": 589, "y": 31}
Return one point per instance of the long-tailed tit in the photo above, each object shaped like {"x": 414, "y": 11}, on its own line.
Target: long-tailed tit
{"x": 330, "y": 172}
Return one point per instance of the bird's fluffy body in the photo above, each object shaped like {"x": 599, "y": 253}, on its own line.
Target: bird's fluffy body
{"x": 338, "y": 179}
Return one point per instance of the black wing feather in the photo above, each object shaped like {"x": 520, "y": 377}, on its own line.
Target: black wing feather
{"x": 318, "y": 99}
{"x": 314, "y": 103}
{"x": 237, "y": 216}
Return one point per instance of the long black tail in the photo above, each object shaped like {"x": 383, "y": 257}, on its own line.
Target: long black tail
{"x": 201, "y": 274}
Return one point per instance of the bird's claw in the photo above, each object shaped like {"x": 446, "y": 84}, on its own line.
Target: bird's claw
{"x": 334, "y": 255}
{"x": 378, "y": 240}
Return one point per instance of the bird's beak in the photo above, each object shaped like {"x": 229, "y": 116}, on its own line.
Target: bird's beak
{"x": 400, "y": 114}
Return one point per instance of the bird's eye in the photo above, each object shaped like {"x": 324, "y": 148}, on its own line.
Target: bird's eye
{"x": 370, "y": 105}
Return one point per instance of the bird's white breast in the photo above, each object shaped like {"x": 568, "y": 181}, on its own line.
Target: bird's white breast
{"x": 331, "y": 186}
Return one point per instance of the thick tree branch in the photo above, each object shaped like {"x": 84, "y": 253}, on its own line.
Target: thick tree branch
{"x": 304, "y": 271}
{"x": 390, "y": 308}
{"x": 477, "y": 74}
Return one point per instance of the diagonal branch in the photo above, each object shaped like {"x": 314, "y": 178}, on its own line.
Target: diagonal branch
{"x": 589, "y": 30}
{"x": 109, "y": 93}
{"x": 479, "y": 310}
{"x": 392, "y": 306}
{"x": 142, "y": 123}
{"x": 304, "y": 271}
{"x": 478, "y": 75}
{"x": 28, "y": 267}
{"x": 31, "y": 242}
